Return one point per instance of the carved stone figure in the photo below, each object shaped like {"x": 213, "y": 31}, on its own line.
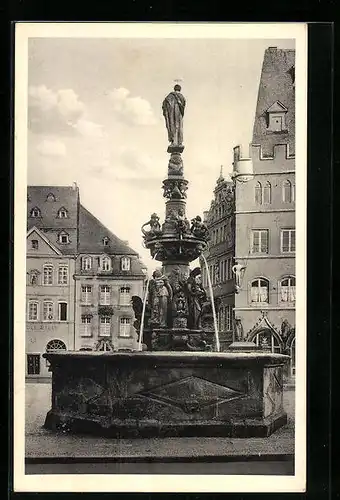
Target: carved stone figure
{"x": 285, "y": 328}
{"x": 160, "y": 296}
{"x": 238, "y": 270}
{"x": 199, "y": 229}
{"x": 196, "y": 297}
{"x": 137, "y": 306}
{"x": 183, "y": 225}
{"x": 175, "y": 165}
{"x": 173, "y": 111}
{"x": 155, "y": 227}
{"x": 238, "y": 329}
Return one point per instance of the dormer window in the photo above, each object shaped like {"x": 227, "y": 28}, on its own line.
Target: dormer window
{"x": 35, "y": 212}
{"x": 62, "y": 213}
{"x": 105, "y": 241}
{"x": 276, "y": 117}
{"x": 34, "y": 244}
{"x": 63, "y": 238}
{"x": 125, "y": 264}
{"x": 50, "y": 197}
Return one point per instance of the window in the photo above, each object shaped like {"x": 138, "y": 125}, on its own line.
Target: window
{"x": 124, "y": 296}
{"x": 86, "y": 326}
{"x": 86, "y": 263}
{"x": 230, "y": 266}
{"x": 63, "y": 238}
{"x": 33, "y": 364}
{"x": 105, "y": 326}
{"x": 220, "y": 319}
{"x": 287, "y": 192}
{"x": 292, "y": 358}
{"x": 105, "y": 264}
{"x": 50, "y": 197}
{"x": 55, "y": 344}
{"x": 287, "y": 289}
{"x": 288, "y": 240}
{"x": 258, "y": 193}
{"x": 48, "y": 275}
{"x": 34, "y": 244}
{"x": 259, "y": 291}
{"x": 48, "y": 311}
{"x": 33, "y": 310}
{"x": 86, "y": 294}
{"x": 63, "y": 275}
{"x": 125, "y": 264}
{"x": 124, "y": 327}
{"x": 34, "y": 277}
{"x": 106, "y": 241}
{"x": 276, "y": 122}
{"x": 105, "y": 295}
{"x": 62, "y": 311}
{"x": 228, "y": 318}
{"x": 62, "y": 213}
{"x": 259, "y": 241}
{"x": 267, "y": 193}
{"x": 35, "y": 212}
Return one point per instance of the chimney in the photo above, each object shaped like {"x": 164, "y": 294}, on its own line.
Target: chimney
{"x": 74, "y": 186}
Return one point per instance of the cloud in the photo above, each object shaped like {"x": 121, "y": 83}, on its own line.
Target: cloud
{"x": 59, "y": 112}
{"x": 131, "y": 110}
{"x": 88, "y": 128}
{"x": 51, "y": 147}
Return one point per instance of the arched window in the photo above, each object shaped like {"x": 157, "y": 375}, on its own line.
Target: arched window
{"x": 106, "y": 241}
{"x": 266, "y": 337}
{"x": 55, "y": 344}
{"x": 287, "y": 192}
{"x": 258, "y": 193}
{"x": 62, "y": 213}
{"x": 124, "y": 296}
{"x": 86, "y": 263}
{"x": 260, "y": 291}
{"x": 35, "y": 212}
{"x": 105, "y": 263}
{"x": 287, "y": 289}
{"x": 125, "y": 264}
{"x": 267, "y": 194}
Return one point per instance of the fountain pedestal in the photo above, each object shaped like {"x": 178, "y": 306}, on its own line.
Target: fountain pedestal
{"x": 145, "y": 394}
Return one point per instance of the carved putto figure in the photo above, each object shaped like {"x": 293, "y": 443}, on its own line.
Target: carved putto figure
{"x": 173, "y": 111}
{"x": 155, "y": 227}
{"x": 183, "y": 225}
{"x": 160, "y": 296}
{"x": 198, "y": 228}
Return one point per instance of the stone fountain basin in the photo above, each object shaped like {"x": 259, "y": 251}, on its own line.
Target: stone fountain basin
{"x": 144, "y": 394}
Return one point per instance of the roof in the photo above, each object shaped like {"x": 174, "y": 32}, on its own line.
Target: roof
{"x": 92, "y": 232}
{"x": 276, "y": 88}
{"x": 65, "y": 197}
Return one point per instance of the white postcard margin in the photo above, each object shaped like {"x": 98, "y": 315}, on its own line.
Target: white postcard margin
{"x": 156, "y": 483}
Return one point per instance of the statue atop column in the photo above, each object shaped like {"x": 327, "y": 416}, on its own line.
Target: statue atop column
{"x": 173, "y": 111}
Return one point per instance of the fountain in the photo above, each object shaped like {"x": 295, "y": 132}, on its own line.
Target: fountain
{"x": 177, "y": 383}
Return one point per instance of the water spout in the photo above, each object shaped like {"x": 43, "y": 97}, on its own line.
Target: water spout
{"x": 140, "y": 340}
{"x": 217, "y": 339}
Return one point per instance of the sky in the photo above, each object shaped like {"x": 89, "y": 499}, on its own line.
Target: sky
{"x": 95, "y": 118}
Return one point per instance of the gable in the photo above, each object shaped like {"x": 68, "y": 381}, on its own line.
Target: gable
{"x": 277, "y": 107}
{"x": 44, "y": 246}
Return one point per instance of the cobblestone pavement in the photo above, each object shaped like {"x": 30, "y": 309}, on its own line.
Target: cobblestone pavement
{"x": 43, "y": 443}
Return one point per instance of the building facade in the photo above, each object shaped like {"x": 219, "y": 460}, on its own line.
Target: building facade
{"x": 265, "y": 213}
{"x": 219, "y": 255}
{"x": 80, "y": 279}
{"x": 108, "y": 274}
